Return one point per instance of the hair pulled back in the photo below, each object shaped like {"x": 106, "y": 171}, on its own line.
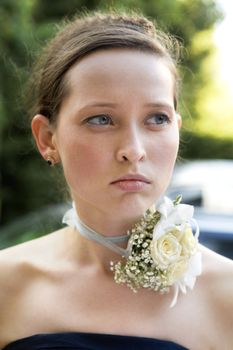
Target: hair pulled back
{"x": 84, "y": 35}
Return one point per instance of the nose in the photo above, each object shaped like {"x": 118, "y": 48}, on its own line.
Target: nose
{"x": 131, "y": 148}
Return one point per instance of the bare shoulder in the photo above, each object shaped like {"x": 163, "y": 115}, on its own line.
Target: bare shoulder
{"x": 217, "y": 283}
{"x": 22, "y": 263}
{"x": 217, "y": 271}
{"x": 29, "y": 255}
{"x": 20, "y": 267}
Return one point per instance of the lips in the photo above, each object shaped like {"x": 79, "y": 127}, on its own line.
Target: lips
{"x": 131, "y": 182}
{"x": 132, "y": 177}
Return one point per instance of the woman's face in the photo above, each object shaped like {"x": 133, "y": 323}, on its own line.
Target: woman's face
{"x": 117, "y": 132}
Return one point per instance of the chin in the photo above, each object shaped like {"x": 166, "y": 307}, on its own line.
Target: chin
{"x": 134, "y": 209}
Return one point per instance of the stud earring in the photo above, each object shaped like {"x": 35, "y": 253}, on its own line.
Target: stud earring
{"x": 50, "y": 161}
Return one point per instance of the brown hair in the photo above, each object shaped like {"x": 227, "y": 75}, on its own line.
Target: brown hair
{"x": 84, "y": 35}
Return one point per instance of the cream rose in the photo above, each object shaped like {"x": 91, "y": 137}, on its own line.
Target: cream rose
{"x": 166, "y": 250}
{"x": 177, "y": 270}
{"x": 188, "y": 242}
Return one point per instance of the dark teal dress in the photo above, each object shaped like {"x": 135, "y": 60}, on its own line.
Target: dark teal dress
{"x": 90, "y": 341}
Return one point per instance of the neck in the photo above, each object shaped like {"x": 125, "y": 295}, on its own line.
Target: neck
{"x": 105, "y": 224}
{"x": 98, "y": 242}
{"x": 95, "y": 254}
{"x": 107, "y": 241}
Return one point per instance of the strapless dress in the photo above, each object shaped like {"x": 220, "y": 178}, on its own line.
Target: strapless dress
{"x": 90, "y": 341}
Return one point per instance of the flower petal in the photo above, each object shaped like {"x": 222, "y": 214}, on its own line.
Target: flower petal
{"x": 195, "y": 264}
{"x": 182, "y": 213}
{"x": 194, "y": 270}
{"x": 165, "y": 207}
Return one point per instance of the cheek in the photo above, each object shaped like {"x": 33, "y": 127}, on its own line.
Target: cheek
{"x": 167, "y": 148}
{"x": 164, "y": 161}
{"x": 171, "y": 148}
{"x": 82, "y": 162}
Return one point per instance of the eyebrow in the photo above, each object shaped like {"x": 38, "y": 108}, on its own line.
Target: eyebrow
{"x": 160, "y": 104}
{"x": 101, "y": 104}
{"x": 111, "y": 104}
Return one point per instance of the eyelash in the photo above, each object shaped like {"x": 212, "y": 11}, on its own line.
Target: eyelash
{"x": 88, "y": 120}
{"x": 165, "y": 119}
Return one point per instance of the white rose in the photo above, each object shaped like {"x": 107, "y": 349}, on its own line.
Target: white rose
{"x": 166, "y": 250}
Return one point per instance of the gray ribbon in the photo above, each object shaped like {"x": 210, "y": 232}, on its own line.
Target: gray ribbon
{"x": 71, "y": 218}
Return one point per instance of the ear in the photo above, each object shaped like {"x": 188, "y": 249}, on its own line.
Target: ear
{"x": 43, "y": 134}
{"x": 179, "y": 120}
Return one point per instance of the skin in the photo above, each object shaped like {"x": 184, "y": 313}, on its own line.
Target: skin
{"x": 71, "y": 273}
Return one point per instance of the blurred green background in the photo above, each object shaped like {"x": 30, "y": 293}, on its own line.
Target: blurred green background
{"x": 27, "y": 184}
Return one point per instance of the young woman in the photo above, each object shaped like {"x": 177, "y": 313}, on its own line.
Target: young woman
{"x": 105, "y": 108}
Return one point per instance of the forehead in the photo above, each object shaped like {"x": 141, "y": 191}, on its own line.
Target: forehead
{"x": 111, "y": 71}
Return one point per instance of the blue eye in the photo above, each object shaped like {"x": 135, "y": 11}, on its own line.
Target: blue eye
{"x": 101, "y": 119}
{"x": 159, "y": 119}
